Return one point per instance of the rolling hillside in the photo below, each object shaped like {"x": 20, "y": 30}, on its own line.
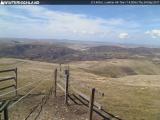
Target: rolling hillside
{"x": 44, "y": 52}
{"x": 66, "y": 52}
{"x": 130, "y": 97}
{"x": 116, "y": 68}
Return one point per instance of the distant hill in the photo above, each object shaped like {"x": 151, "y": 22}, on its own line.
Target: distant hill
{"x": 65, "y": 52}
{"x": 37, "y": 51}
{"x": 123, "y": 52}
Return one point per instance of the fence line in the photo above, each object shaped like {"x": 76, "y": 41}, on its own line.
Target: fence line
{"x": 25, "y": 95}
{"x": 89, "y": 102}
{"x": 11, "y": 78}
{"x": 40, "y": 104}
{"x": 44, "y": 101}
{"x": 19, "y": 88}
{"x": 6, "y": 103}
{"x": 8, "y": 70}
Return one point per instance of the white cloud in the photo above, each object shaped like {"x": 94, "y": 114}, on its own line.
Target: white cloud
{"x": 155, "y": 33}
{"x": 37, "y": 21}
{"x": 123, "y": 35}
{"x": 2, "y": 3}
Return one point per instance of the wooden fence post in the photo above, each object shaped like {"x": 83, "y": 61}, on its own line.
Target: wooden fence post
{"x": 16, "y": 81}
{"x": 66, "y": 86}
{"x": 6, "y": 113}
{"x": 60, "y": 66}
{"x": 91, "y": 103}
{"x": 55, "y": 82}
{"x": 68, "y": 67}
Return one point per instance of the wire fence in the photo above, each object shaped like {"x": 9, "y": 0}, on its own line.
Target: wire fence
{"x": 12, "y": 103}
{"x": 20, "y": 88}
{"x": 62, "y": 81}
{"x": 74, "y": 92}
{"x": 40, "y": 104}
{"x": 24, "y": 96}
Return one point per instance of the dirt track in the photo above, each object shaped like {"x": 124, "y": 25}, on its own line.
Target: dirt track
{"x": 55, "y": 109}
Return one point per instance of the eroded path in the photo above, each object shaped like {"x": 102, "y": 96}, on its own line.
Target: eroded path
{"x": 54, "y": 109}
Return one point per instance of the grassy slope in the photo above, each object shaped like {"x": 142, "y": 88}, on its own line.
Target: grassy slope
{"x": 28, "y": 71}
{"x": 119, "y": 68}
{"x": 133, "y": 97}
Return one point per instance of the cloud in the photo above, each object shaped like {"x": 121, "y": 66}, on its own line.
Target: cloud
{"x": 40, "y": 22}
{"x": 2, "y": 3}
{"x": 155, "y": 33}
{"x": 123, "y": 35}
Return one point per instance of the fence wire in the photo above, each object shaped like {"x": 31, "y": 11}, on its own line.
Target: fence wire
{"x": 40, "y": 104}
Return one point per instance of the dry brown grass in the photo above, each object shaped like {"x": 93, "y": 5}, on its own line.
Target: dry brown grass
{"x": 131, "y": 97}
{"x": 134, "y": 97}
{"x": 28, "y": 72}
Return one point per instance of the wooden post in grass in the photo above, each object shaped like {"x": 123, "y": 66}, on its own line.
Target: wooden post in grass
{"x": 55, "y": 82}
{"x": 16, "y": 81}
{"x": 66, "y": 86}
{"x": 60, "y": 67}
{"x": 91, "y": 103}
{"x": 6, "y": 113}
{"x": 68, "y": 67}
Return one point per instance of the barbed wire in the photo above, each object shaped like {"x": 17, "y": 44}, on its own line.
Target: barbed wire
{"x": 85, "y": 86}
{"x": 44, "y": 101}
{"x": 40, "y": 104}
{"x": 19, "y": 99}
{"x": 25, "y": 95}
{"x": 19, "y": 88}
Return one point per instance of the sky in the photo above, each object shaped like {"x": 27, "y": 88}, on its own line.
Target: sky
{"x": 117, "y": 24}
